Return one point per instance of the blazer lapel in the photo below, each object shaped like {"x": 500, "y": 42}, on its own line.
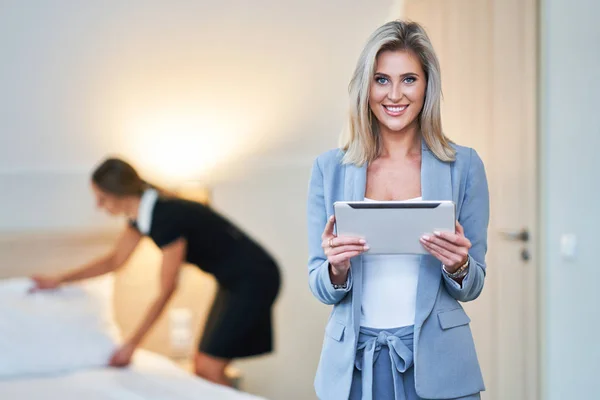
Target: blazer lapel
{"x": 436, "y": 184}
{"x": 355, "y": 182}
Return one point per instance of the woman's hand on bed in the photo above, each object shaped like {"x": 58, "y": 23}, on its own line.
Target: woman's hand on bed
{"x": 122, "y": 356}
{"x": 45, "y": 282}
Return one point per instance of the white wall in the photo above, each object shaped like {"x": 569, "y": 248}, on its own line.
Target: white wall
{"x": 39, "y": 200}
{"x": 570, "y": 190}
{"x": 243, "y": 94}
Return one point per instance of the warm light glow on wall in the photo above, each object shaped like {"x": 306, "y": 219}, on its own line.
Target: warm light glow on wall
{"x": 194, "y": 191}
{"x": 193, "y": 140}
{"x": 184, "y": 147}
{"x": 196, "y": 134}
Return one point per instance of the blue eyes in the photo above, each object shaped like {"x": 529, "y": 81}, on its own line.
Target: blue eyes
{"x": 383, "y": 81}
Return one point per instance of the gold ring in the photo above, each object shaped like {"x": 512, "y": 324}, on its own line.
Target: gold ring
{"x": 331, "y": 243}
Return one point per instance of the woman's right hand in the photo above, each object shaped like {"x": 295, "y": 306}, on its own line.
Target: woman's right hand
{"x": 45, "y": 282}
{"x": 339, "y": 250}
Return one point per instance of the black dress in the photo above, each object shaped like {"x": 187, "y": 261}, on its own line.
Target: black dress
{"x": 240, "y": 322}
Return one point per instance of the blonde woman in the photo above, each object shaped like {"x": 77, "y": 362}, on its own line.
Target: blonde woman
{"x": 397, "y": 329}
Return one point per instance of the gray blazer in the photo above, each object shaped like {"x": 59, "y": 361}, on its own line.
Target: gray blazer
{"x": 445, "y": 361}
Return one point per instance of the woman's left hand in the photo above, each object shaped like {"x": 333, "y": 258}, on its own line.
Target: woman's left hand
{"x": 452, "y": 249}
{"x": 122, "y": 356}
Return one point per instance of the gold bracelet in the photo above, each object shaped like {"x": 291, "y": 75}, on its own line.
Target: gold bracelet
{"x": 460, "y": 272}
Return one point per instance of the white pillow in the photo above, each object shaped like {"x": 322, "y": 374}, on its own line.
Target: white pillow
{"x": 58, "y": 330}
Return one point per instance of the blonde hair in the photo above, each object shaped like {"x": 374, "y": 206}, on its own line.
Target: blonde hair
{"x": 361, "y": 141}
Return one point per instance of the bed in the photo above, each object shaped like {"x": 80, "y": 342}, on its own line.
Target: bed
{"x": 56, "y": 344}
{"x": 150, "y": 377}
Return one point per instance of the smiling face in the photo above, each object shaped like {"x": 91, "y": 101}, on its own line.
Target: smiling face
{"x": 397, "y": 91}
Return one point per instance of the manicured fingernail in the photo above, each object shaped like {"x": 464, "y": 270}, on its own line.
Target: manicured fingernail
{"x": 437, "y": 233}
{"x": 362, "y": 241}
{"x": 366, "y": 247}
{"x": 331, "y": 218}
{"x": 424, "y": 237}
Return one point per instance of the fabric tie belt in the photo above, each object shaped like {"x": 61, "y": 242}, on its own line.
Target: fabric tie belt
{"x": 400, "y": 345}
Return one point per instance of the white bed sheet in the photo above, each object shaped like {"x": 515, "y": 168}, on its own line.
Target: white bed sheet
{"x": 150, "y": 377}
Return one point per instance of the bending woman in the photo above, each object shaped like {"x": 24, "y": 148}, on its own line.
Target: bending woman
{"x": 240, "y": 322}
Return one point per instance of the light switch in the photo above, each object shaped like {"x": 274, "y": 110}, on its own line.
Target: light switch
{"x": 568, "y": 246}
{"x": 180, "y": 331}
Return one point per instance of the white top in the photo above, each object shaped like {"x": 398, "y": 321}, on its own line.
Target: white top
{"x": 146, "y": 207}
{"x": 389, "y": 285}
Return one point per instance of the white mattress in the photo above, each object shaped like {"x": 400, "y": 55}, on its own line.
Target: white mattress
{"x": 150, "y": 377}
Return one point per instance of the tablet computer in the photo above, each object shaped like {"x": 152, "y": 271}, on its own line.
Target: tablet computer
{"x": 394, "y": 227}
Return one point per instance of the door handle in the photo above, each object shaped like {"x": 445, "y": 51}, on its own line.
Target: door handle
{"x": 519, "y": 236}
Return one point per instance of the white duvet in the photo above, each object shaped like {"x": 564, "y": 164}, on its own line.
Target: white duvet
{"x": 150, "y": 377}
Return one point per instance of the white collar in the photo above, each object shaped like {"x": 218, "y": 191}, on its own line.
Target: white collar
{"x": 144, "y": 218}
